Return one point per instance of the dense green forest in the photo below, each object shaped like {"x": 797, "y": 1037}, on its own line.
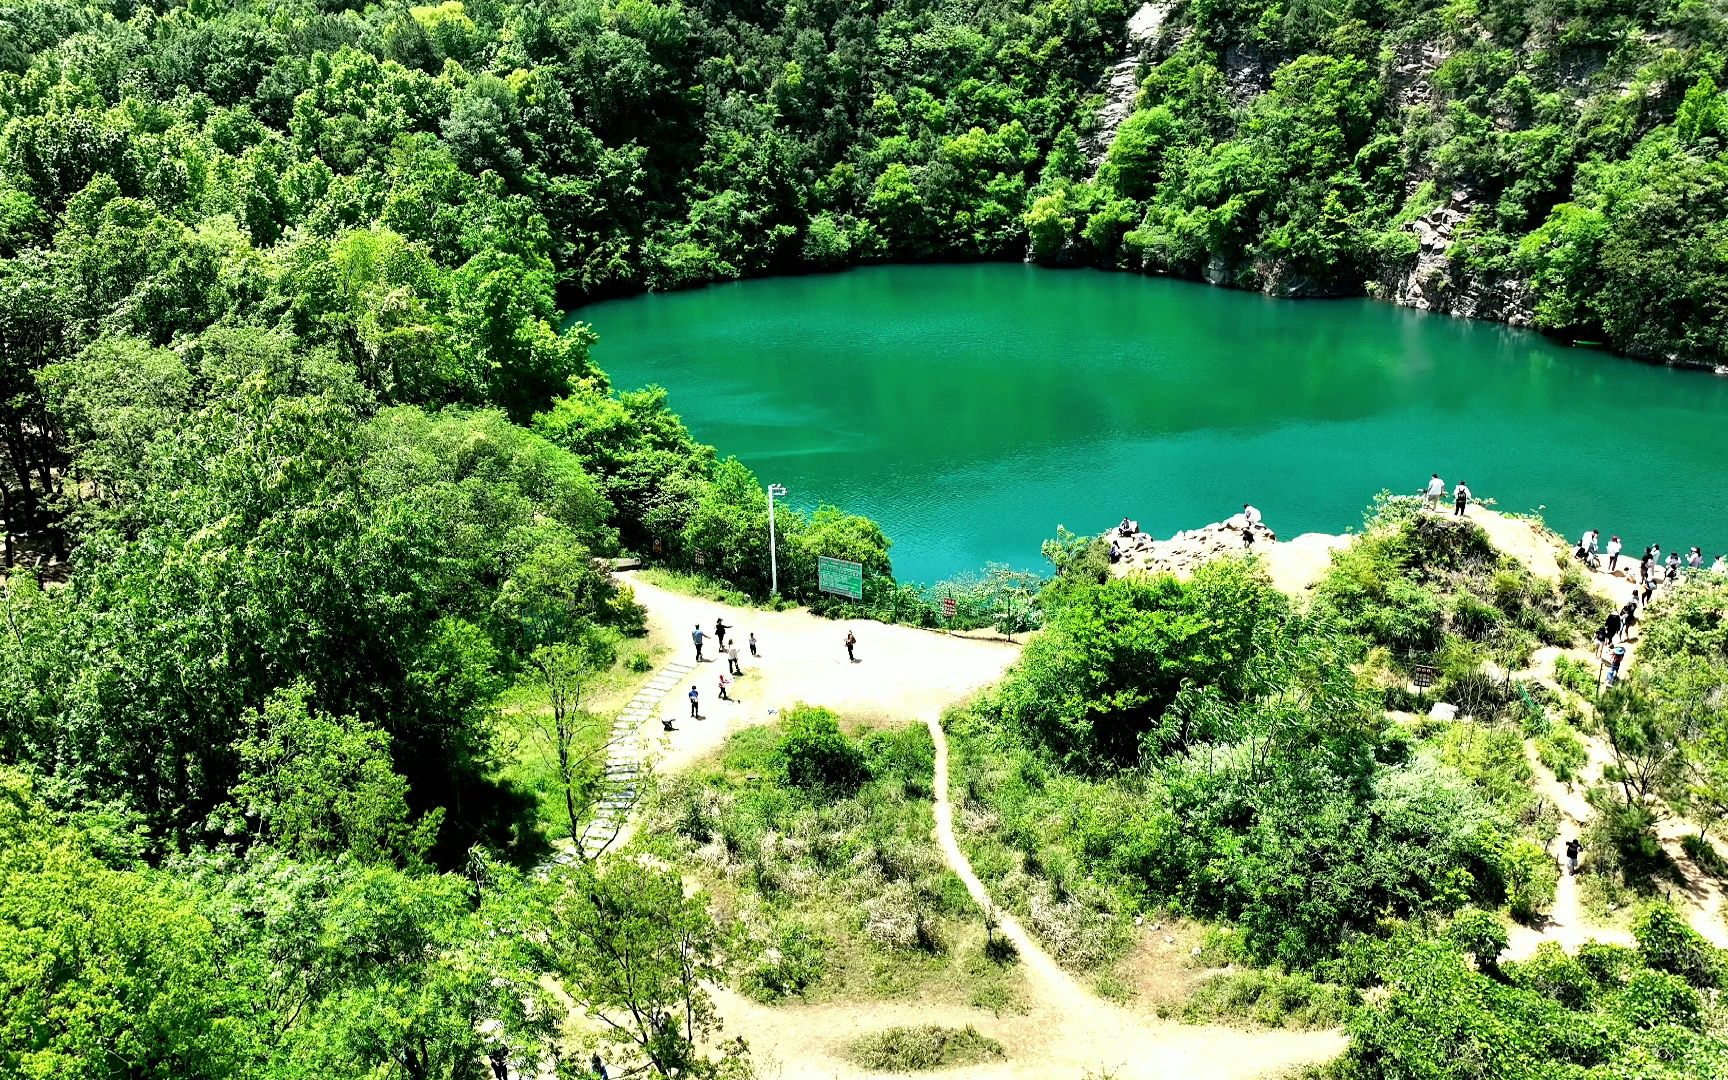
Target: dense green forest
{"x": 300, "y": 478}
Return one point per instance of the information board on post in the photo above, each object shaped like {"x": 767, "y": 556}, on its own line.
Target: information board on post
{"x": 840, "y": 577}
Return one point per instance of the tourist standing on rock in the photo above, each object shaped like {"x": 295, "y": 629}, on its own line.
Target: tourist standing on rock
{"x": 732, "y": 655}
{"x": 1435, "y": 491}
{"x": 1649, "y": 590}
{"x": 1460, "y": 498}
{"x": 1588, "y": 544}
{"x": 1115, "y": 552}
{"x": 1695, "y": 559}
{"x": 696, "y": 636}
{"x": 1645, "y": 563}
{"x": 851, "y": 643}
{"x": 1673, "y": 574}
{"x": 1613, "y": 553}
{"x": 1252, "y": 517}
{"x": 695, "y": 703}
{"x": 1655, "y": 558}
{"x": 1572, "y": 849}
{"x": 1720, "y": 566}
{"x": 720, "y": 629}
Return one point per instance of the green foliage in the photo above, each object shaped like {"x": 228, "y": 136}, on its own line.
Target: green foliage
{"x": 1101, "y": 678}
{"x": 927, "y": 1046}
{"x": 1270, "y": 998}
{"x": 825, "y": 893}
{"x": 1563, "y": 753}
{"x": 1478, "y": 935}
{"x": 815, "y": 755}
{"x": 1666, "y": 943}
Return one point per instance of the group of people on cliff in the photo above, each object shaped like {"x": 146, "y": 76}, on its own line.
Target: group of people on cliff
{"x": 1435, "y": 494}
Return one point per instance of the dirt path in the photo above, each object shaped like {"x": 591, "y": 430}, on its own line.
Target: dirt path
{"x": 913, "y": 675}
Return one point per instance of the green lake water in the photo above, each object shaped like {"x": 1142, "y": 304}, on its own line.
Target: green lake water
{"x": 972, "y": 409}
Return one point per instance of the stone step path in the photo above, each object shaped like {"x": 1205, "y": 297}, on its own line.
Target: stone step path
{"x": 622, "y": 785}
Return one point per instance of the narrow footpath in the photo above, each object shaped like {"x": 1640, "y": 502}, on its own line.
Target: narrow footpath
{"x": 909, "y": 675}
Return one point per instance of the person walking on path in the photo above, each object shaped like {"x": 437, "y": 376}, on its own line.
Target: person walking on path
{"x": 732, "y": 656}
{"x": 1572, "y": 849}
{"x": 851, "y": 643}
{"x": 695, "y": 703}
{"x": 1613, "y": 553}
{"x": 1649, "y": 591}
{"x": 1611, "y": 629}
{"x": 720, "y": 629}
{"x": 696, "y": 636}
{"x": 1644, "y": 565}
{"x": 1617, "y": 658}
{"x": 1628, "y": 619}
{"x": 752, "y": 644}
{"x": 723, "y": 696}
{"x": 1460, "y": 498}
{"x": 1433, "y": 493}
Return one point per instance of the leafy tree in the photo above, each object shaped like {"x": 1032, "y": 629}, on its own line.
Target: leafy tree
{"x": 628, "y": 943}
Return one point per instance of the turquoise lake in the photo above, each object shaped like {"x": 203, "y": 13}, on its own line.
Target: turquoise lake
{"x": 972, "y": 409}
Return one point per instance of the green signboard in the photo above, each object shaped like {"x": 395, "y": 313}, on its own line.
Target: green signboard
{"x": 840, "y": 577}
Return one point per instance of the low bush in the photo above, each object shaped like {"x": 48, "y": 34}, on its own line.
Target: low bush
{"x": 1270, "y": 998}
{"x": 815, "y": 755}
{"x": 1667, "y": 943}
{"x": 926, "y": 1046}
{"x": 1563, "y": 752}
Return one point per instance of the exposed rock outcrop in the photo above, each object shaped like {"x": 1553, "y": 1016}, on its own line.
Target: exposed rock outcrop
{"x": 1433, "y": 283}
{"x": 1121, "y": 85}
{"x": 1185, "y": 551}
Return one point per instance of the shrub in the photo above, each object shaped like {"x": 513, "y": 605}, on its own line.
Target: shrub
{"x": 1479, "y": 935}
{"x": 1667, "y": 944}
{"x": 815, "y": 755}
{"x": 1270, "y": 998}
{"x": 1563, "y": 752}
{"x": 1531, "y": 878}
{"x": 1653, "y": 998}
{"x": 787, "y": 964}
{"x": 926, "y": 1046}
{"x": 1551, "y": 973}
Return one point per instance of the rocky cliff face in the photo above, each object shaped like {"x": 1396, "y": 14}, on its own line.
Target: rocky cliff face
{"x": 1121, "y": 84}
{"x": 1434, "y": 283}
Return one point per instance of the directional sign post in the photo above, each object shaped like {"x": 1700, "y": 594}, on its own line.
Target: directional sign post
{"x": 840, "y": 577}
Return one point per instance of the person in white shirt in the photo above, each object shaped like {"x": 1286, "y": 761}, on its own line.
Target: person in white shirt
{"x": 1436, "y": 491}
{"x": 1720, "y": 566}
{"x": 1251, "y": 521}
{"x": 1591, "y": 537}
{"x": 1613, "y": 553}
{"x": 1460, "y": 498}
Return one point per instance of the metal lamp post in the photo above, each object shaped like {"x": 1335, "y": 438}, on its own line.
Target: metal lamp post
{"x": 773, "y": 560}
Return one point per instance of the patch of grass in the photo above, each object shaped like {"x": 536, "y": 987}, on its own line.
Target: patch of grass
{"x": 926, "y": 1046}
{"x": 1563, "y": 752}
{"x": 831, "y": 893}
{"x": 708, "y": 588}
{"x": 1701, "y": 851}
{"x": 1270, "y": 998}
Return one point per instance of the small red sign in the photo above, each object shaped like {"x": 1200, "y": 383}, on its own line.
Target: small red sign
{"x": 948, "y": 606}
